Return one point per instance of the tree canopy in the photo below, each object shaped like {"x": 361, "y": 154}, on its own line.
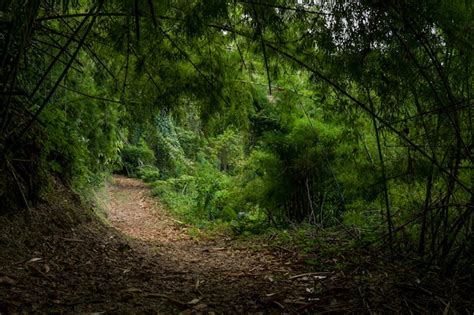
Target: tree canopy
{"x": 349, "y": 113}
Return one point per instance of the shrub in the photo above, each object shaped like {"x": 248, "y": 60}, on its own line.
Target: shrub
{"x": 149, "y": 173}
{"x": 135, "y": 157}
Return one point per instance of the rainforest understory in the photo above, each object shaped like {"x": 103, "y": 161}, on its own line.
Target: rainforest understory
{"x": 214, "y": 156}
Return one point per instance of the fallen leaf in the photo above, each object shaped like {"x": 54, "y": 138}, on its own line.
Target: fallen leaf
{"x": 194, "y": 301}
{"x": 34, "y": 260}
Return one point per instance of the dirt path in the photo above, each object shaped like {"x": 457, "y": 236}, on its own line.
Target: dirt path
{"x": 207, "y": 276}
{"x": 60, "y": 259}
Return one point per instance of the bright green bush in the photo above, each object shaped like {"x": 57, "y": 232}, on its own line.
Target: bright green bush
{"x": 149, "y": 173}
{"x": 134, "y": 157}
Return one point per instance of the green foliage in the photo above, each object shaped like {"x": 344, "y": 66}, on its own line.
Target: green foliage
{"x": 135, "y": 157}
{"x": 290, "y": 176}
{"x": 250, "y": 114}
{"x": 174, "y": 192}
{"x": 165, "y": 140}
{"x": 149, "y": 173}
{"x": 82, "y": 139}
{"x": 199, "y": 196}
{"x": 226, "y": 150}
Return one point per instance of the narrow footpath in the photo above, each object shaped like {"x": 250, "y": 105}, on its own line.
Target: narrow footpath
{"x": 57, "y": 259}
{"x": 196, "y": 275}
{"x": 60, "y": 258}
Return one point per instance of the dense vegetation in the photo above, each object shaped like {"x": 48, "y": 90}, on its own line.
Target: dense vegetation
{"x": 354, "y": 115}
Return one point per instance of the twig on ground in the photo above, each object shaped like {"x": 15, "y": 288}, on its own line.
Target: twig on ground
{"x": 279, "y": 305}
{"x": 408, "y": 306}
{"x": 320, "y": 273}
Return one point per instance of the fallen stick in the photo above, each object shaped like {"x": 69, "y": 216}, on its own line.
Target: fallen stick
{"x": 321, "y": 273}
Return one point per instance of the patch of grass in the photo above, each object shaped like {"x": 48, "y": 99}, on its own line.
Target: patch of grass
{"x": 100, "y": 202}
{"x": 195, "y": 233}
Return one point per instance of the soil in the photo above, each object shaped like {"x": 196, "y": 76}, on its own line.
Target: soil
{"x": 141, "y": 260}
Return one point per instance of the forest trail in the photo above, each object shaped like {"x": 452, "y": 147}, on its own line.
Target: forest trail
{"x": 60, "y": 259}
{"x": 216, "y": 275}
